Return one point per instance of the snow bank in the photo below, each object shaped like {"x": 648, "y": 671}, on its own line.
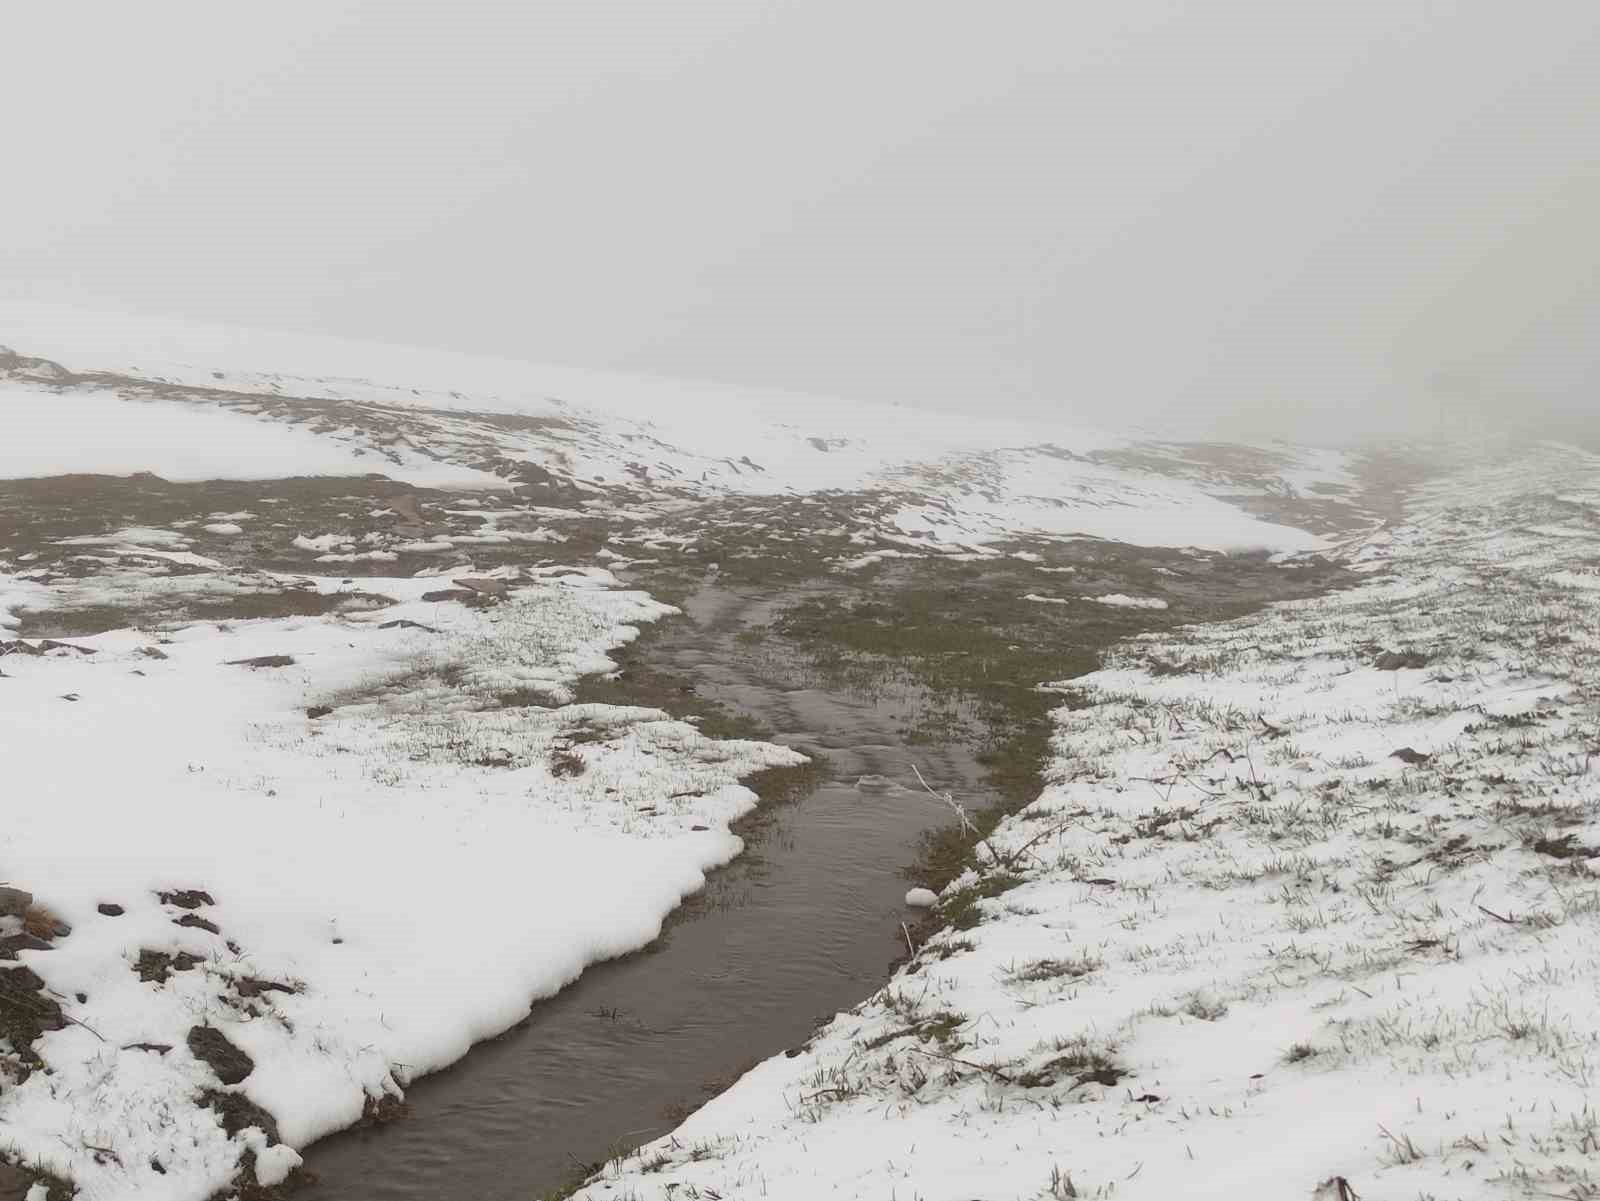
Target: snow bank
{"x": 44, "y": 434}
{"x": 386, "y": 883}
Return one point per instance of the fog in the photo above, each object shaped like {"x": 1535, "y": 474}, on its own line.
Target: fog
{"x": 1238, "y": 217}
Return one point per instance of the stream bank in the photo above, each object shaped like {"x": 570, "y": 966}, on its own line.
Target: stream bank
{"x": 921, "y": 668}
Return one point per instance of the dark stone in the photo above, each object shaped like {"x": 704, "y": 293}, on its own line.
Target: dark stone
{"x": 151, "y": 652}
{"x": 403, "y": 623}
{"x": 238, "y": 1113}
{"x": 50, "y": 644}
{"x": 316, "y": 711}
{"x": 449, "y": 594}
{"x": 14, "y": 1183}
{"x": 157, "y": 1048}
{"x": 107, "y": 909}
{"x": 249, "y": 986}
{"x": 14, "y": 902}
{"x": 262, "y": 661}
{"x": 211, "y": 1047}
{"x": 186, "y": 898}
{"x": 11, "y": 944}
{"x": 195, "y": 921}
{"x": 1406, "y": 755}
{"x": 155, "y": 966}
{"x": 26, "y": 1010}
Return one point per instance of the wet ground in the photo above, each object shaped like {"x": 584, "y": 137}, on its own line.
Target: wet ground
{"x": 806, "y": 923}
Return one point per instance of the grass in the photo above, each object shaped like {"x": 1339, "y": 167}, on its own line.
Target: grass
{"x": 42, "y": 922}
{"x": 1039, "y": 970}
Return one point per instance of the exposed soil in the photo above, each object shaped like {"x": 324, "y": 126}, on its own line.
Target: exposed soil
{"x": 211, "y": 1046}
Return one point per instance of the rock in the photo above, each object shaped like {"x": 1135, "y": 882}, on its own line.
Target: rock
{"x": 197, "y": 922}
{"x": 1395, "y": 660}
{"x": 449, "y": 594}
{"x": 107, "y": 909}
{"x": 9, "y": 946}
{"x": 14, "y": 902}
{"x": 14, "y": 1183}
{"x": 316, "y": 711}
{"x": 186, "y": 898}
{"x": 211, "y": 1046}
{"x": 154, "y": 967}
{"x": 50, "y": 644}
{"x": 262, "y": 661}
{"x": 405, "y": 623}
{"x": 1407, "y": 755}
{"x": 151, "y": 652}
{"x": 922, "y": 898}
{"x": 29, "y": 1011}
{"x": 250, "y": 986}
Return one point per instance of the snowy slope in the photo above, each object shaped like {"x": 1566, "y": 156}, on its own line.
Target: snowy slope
{"x": 1308, "y": 910}
{"x": 446, "y": 420}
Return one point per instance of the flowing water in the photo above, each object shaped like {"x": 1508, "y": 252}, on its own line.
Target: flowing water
{"x": 805, "y": 923}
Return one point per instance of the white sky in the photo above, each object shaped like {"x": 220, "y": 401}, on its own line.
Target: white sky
{"x": 1240, "y": 214}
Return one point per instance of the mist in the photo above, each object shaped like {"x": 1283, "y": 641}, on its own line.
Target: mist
{"x": 1240, "y": 218}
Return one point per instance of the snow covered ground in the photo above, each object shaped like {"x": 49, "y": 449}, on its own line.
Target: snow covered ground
{"x": 349, "y": 898}
{"x": 90, "y": 392}
{"x": 296, "y": 837}
{"x": 1309, "y": 909}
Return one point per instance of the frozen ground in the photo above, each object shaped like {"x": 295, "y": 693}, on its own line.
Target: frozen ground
{"x": 1308, "y": 909}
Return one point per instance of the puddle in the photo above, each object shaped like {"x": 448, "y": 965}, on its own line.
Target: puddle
{"x": 804, "y": 924}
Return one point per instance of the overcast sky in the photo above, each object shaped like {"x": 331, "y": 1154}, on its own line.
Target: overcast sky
{"x": 1234, "y": 215}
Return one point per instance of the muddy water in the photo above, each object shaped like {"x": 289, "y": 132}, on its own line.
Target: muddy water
{"x": 804, "y": 924}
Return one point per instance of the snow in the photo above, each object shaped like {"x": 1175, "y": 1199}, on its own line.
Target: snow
{"x": 48, "y": 434}
{"x": 922, "y": 898}
{"x": 420, "y": 417}
{"x": 376, "y": 859}
{"x": 1118, "y": 600}
{"x": 322, "y": 542}
{"x": 1253, "y": 953}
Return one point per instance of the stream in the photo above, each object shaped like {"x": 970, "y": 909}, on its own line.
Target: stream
{"x": 805, "y": 923}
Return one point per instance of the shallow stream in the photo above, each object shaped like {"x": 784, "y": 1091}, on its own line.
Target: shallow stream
{"x": 805, "y": 923}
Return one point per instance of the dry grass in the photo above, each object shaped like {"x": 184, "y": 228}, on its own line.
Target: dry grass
{"x": 42, "y": 922}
